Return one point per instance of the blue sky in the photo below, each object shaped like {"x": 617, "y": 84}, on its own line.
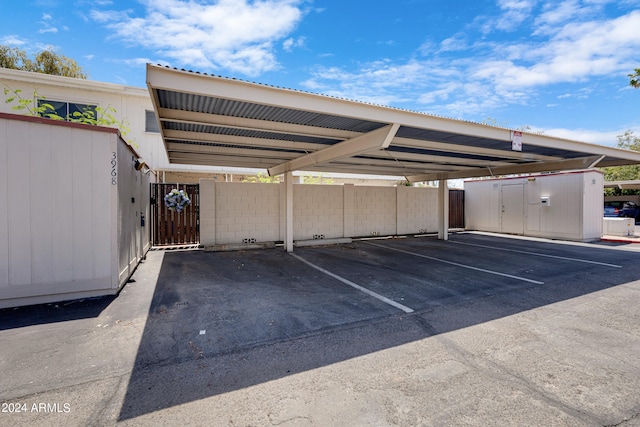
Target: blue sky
{"x": 557, "y": 66}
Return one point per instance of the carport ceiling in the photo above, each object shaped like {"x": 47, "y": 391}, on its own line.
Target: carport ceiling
{"x": 623, "y": 185}
{"x": 216, "y": 121}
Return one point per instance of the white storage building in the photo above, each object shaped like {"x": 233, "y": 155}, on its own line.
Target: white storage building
{"x": 566, "y": 206}
{"x": 74, "y": 210}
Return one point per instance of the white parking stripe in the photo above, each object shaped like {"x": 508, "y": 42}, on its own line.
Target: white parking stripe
{"x": 538, "y": 254}
{"x": 457, "y": 264}
{"x": 356, "y": 286}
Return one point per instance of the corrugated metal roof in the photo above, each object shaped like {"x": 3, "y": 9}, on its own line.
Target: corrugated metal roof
{"x": 245, "y": 133}
{"x": 225, "y": 107}
{"x": 240, "y": 123}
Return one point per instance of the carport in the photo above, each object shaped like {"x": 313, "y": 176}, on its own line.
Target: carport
{"x": 215, "y": 121}
{"x": 623, "y": 185}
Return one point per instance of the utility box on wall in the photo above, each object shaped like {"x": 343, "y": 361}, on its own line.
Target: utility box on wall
{"x": 565, "y": 205}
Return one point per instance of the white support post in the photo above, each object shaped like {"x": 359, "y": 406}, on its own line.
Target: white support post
{"x": 443, "y": 209}
{"x": 288, "y": 235}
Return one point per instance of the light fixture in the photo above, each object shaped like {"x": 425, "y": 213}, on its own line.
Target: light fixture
{"x": 141, "y": 165}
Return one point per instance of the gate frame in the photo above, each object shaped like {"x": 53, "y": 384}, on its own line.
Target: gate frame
{"x": 170, "y": 228}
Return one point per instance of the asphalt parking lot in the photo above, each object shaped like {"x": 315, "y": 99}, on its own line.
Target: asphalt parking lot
{"x": 479, "y": 330}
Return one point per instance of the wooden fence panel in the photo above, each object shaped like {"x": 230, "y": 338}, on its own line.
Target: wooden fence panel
{"x": 170, "y": 227}
{"x": 456, "y": 208}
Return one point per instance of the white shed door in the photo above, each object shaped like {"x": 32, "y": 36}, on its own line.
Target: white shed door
{"x": 512, "y": 220}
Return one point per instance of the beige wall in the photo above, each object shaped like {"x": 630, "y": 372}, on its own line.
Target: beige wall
{"x": 59, "y": 219}
{"x": 575, "y": 211}
{"x": 129, "y": 102}
{"x": 236, "y": 213}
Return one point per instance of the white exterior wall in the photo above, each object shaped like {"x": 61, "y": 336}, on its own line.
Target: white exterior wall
{"x": 133, "y": 238}
{"x": 574, "y": 211}
{"x": 593, "y": 203}
{"x": 59, "y": 229}
{"x": 230, "y": 212}
{"x": 129, "y": 102}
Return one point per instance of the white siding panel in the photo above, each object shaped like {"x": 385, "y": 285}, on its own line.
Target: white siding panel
{"x": 593, "y": 205}
{"x": 61, "y": 208}
{"x": 574, "y": 211}
{"x": 19, "y": 187}
{"x": 81, "y": 207}
{"x": 4, "y": 213}
{"x": 101, "y": 205}
{"x": 41, "y": 194}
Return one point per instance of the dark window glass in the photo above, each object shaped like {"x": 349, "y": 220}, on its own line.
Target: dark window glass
{"x": 150, "y": 122}
{"x": 68, "y": 111}
{"x": 56, "y": 108}
{"x": 79, "y": 110}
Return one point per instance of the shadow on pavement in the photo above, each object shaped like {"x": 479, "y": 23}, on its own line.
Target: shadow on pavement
{"x": 63, "y": 311}
{"x": 221, "y": 322}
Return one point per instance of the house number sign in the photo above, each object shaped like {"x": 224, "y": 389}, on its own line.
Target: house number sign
{"x": 114, "y": 173}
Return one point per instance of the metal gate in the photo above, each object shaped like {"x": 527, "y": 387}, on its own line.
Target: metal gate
{"x": 456, "y": 208}
{"x": 170, "y": 227}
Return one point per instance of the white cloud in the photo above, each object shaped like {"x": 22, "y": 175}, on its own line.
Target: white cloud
{"x": 291, "y": 43}
{"x": 47, "y": 27}
{"x": 458, "y": 42}
{"x": 12, "y": 40}
{"x": 234, "y": 34}
{"x": 491, "y": 74}
{"x": 515, "y": 13}
{"x": 577, "y": 51}
{"x": 608, "y": 138}
{"x": 48, "y": 30}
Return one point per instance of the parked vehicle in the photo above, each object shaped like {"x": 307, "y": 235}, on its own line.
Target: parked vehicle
{"x": 622, "y": 209}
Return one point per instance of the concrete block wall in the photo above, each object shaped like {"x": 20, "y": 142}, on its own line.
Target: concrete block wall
{"x": 247, "y": 211}
{"x": 231, "y": 213}
{"x": 417, "y": 210}
{"x": 207, "y": 212}
{"x": 318, "y": 210}
{"x": 375, "y": 211}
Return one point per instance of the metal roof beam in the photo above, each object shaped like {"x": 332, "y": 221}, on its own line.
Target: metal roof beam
{"x": 361, "y": 169}
{"x": 581, "y": 163}
{"x": 206, "y": 119}
{"x": 443, "y": 160}
{"x": 468, "y": 149}
{"x": 178, "y": 135}
{"x": 375, "y": 140}
{"x": 248, "y": 152}
{"x": 221, "y": 160}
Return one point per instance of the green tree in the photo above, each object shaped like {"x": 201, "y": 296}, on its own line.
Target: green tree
{"x": 316, "y": 179}
{"x": 45, "y": 62}
{"x": 262, "y": 178}
{"x": 627, "y": 141}
{"x": 634, "y": 79}
{"x": 100, "y": 117}
{"x": 14, "y": 59}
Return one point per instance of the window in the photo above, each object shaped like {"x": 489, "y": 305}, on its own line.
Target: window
{"x": 151, "y": 122}
{"x": 67, "y": 110}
